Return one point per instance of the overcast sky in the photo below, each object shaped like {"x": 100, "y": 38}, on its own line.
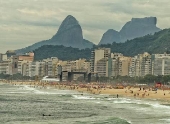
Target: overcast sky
{"x": 24, "y": 22}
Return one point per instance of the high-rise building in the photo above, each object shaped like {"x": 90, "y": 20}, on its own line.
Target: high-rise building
{"x": 123, "y": 66}
{"x": 3, "y": 57}
{"x": 98, "y": 59}
{"x": 161, "y": 64}
{"x": 141, "y": 65}
{"x": 4, "y": 67}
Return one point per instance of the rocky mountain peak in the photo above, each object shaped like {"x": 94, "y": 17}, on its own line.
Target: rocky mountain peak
{"x": 146, "y": 20}
{"x": 69, "y": 34}
{"x": 68, "y": 23}
{"x": 110, "y": 36}
{"x": 137, "y": 27}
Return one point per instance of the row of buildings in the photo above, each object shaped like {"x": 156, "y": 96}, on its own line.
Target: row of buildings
{"x": 107, "y": 64}
{"x": 25, "y": 65}
{"x": 103, "y": 63}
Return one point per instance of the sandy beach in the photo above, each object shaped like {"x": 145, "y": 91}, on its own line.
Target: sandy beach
{"x": 141, "y": 92}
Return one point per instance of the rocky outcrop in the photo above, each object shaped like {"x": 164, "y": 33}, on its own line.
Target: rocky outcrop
{"x": 137, "y": 27}
{"x": 68, "y": 34}
{"x": 110, "y": 36}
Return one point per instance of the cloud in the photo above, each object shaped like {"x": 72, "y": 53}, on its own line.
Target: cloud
{"x": 42, "y": 13}
{"x": 24, "y": 22}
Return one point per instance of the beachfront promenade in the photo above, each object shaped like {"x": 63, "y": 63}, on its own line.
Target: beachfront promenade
{"x": 142, "y": 92}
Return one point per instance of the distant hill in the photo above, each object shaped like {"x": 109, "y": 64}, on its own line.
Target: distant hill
{"x": 62, "y": 52}
{"x": 69, "y": 34}
{"x": 137, "y": 27}
{"x": 157, "y": 43}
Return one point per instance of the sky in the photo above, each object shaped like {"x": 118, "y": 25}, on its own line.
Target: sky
{"x": 25, "y": 22}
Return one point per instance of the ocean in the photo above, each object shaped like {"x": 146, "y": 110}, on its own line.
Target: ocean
{"x": 29, "y": 105}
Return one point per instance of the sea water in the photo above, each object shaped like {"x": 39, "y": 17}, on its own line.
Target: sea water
{"x": 29, "y": 105}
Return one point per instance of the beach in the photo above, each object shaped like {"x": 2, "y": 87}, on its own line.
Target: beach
{"x": 138, "y": 92}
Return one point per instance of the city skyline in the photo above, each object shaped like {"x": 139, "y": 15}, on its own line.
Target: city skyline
{"x": 28, "y": 22}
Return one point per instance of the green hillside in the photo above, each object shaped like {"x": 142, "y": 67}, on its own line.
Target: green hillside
{"x": 157, "y": 43}
{"x": 62, "y": 52}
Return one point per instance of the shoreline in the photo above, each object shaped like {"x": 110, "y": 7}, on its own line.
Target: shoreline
{"x": 126, "y": 92}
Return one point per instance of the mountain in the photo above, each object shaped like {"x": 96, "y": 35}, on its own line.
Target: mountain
{"x": 68, "y": 34}
{"x": 157, "y": 43}
{"x": 137, "y": 27}
{"x": 110, "y": 36}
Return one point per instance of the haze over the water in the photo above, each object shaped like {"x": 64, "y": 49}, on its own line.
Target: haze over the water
{"x": 24, "y": 22}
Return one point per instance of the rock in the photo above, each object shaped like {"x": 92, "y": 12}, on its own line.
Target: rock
{"x": 110, "y": 36}
{"x": 68, "y": 34}
{"x": 137, "y": 27}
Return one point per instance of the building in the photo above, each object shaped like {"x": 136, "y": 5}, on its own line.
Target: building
{"x": 3, "y": 57}
{"x": 133, "y": 66}
{"x": 101, "y": 67}
{"x": 50, "y": 66}
{"x": 161, "y": 64}
{"x": 4, "y": 67}
{"x": 99, "y": 59}
{"x": 18, "y": 61}
{"x": 98, "y": 54}
{"x": 146, "y": 64}
{"x": 140, "y": 65}
{"x": 123, "y": 66}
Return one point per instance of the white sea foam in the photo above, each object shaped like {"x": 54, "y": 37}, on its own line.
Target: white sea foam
{"x": 82, "y": 97}
{"x": 36, "y": 91}
{"x": 111, "y": 98}
{"x": 98, "y": 102}
{"x": 167, "y": 120}
{"x": 157, "y": 105}
{"x": 18, "y": 92}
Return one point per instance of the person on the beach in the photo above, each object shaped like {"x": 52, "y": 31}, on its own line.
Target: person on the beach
{"x": 117, "y": 96}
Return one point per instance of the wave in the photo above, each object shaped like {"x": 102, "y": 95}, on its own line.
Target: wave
{"x": 112, "y": 120}
{"x": 83, "y": 97}
{"x": 140, "y": 102}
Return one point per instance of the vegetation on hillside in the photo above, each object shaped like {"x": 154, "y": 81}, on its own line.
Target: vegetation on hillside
{"x": 63, "y": 53}
{"x": 157, "y": 43}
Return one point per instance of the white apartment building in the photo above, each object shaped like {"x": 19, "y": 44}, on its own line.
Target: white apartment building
{"x": 3, "y": 57}
{"x": 4, "y": 67}
{"x": 50, "y": 66}
{"x": 115, "y": 66}
{"x": 132, "y": 68}
{"x": 22, "y": 67}
{"x": 123, "y": 66}
{"x": 35, "y": 69}
{"x": 146, "y": 65}
{"x": 161, "y": 64}
{"x": 86, "y": 66}
{"x": 99, "y": 58}
{"x": 141, "y": 65}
